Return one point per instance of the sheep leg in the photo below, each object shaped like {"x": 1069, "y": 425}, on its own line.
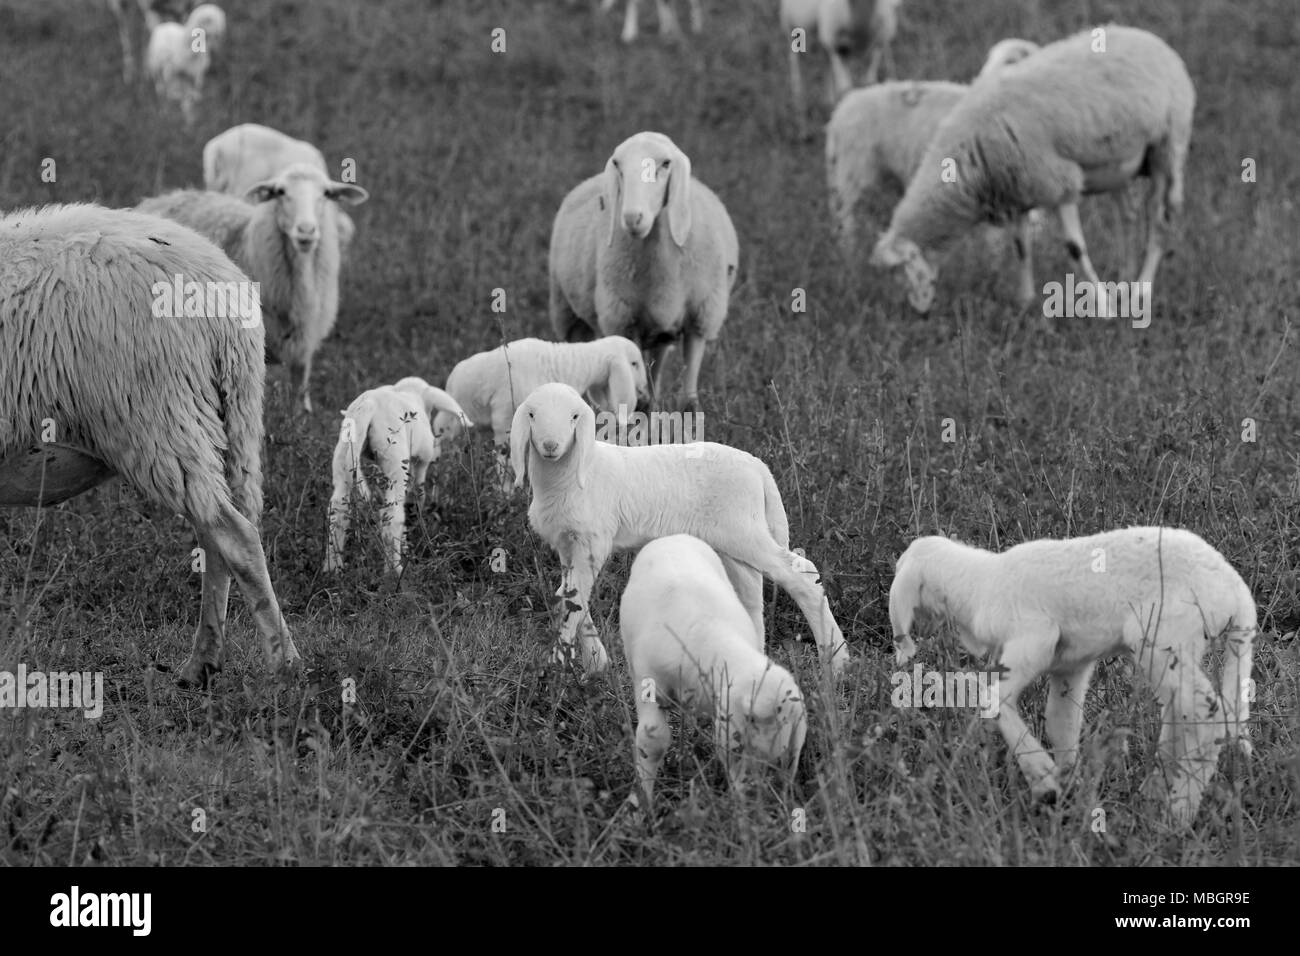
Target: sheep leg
{"x": 798, "y": 94}
{"x": 1023, "y": 658}
{"x": 208, "y": 654}
{"x": 1192, "y": 717}
{"x": 629, "y": 21}
{"x": 349, "y": 486}
{"x": 1157, "y": 225}
{"x": 748, "y": 584}
{"x": 873, "y": 68}
{"x": 300, "y": 374}
{"x": 841, "y": 78}
{"x": 653, "y": 735}
{"x": 668, "y": 25}
{"x": 1078, "y": 251}
{"x": 1065, "y": 696}
{"x": 392, "y": 516}
{"x": 581, "y": 564}
{"x": 1024, "y": 243}
{"x": 501, "y": 465}
{"x": 235, "y": 541}
{"x": 693, "y": 355}
{"x": 798, "y": 577}
{"x": 656, "y": 360}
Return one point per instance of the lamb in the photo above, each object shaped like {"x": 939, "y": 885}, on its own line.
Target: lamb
{"x": 1085, "y": 114}
{"x": 490, "y": 385}
{"x": 591, "y": 498}
{"x": 1060, "y": 606}
{"x": 176, "y": 67}
{"x": 153, "y": 11}
{"x": 243, "y": 156}
{"x": 98, "y": 376}
{"x": 877, "y": 135}
{"x": 618, "y": 268}
{"x": 288, "y": 242}
{"x": 689, "y": 641}
{"x": 668, "y": 25}
{"x": 845, "y": 29}
{"x": 391, "y": 426}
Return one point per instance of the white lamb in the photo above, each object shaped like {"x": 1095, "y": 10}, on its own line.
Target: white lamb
{"x": 153, "y": 11}
{"x": 96, "y": 379}
{"x": 646, "y": 251}
{"x": 668, "y": 25}
{"x": 591, "y": 498}
{"x": 877, "y": 136}
{"x": 243, "y": 156}
{"x": 1083, "y": 115}
{"x": 1058, "y": 607}
{"x": 845, "y": 29}
{"x": 288, "y": 241}
{"x": 490, "y": 385}
{"x": 389, "y": 425}
{"x": 176, "y": 67}
{"x": 689, "y": 641}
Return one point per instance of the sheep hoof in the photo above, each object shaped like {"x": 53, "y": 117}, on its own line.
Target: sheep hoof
{"x": 1045, "y": 792}
{"x": 197, "y": 673}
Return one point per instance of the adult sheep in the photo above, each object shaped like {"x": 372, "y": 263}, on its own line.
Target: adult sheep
{"x": 172, "y": 404}
{"x": 646, "y": 251}
{"x": 176, "y": 68}
{"x": 1083, "y": 115}
{"x": 288, "y": 241}
{"x": 241, "y": 157}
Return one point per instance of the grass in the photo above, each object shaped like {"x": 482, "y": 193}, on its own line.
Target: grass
{"x": 1060, "y": 427}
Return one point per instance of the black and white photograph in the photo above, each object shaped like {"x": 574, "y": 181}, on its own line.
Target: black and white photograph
{"x": 650, "y": 433}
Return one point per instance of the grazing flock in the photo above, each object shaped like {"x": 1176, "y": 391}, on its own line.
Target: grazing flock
{"x": 642, "y": 256}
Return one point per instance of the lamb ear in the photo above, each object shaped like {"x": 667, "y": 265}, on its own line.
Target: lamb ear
{"x": 348, "y": 193}
{"x": 613, "y": 195}
{"x": 621, "y": 385}
{"x": 521, "y": 433}
{"x": 904, "y": 650}
{"x": 263, "y": 191}
{"x": 436, "y": 399}
{"x": 679, "y": 197}
{"x": 584, "y": 443}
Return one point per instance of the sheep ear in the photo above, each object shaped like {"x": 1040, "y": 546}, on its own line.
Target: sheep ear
{"x": 679, "y": 198}
{"x": 435, "y": 399}
{"x": 613, "y": 196}
{"x": 584, "y": 440}
{"x": 264, "y": 191}
{"x": 622, "y": 387}
{"x": 346, "y": 192}
{"x": 521, "y": 431}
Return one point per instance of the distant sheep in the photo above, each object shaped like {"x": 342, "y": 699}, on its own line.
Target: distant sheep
{"x": 845, "y": 29}
{"x": 668, "y": 25}
{"x": 391, "y": 426}
{"x": 689, "y": 641}
{"x": 153, "y": 11}
{"x": 591, "y": 498}
{"x": 1060, "y": 606}
{"x": 1085, "y": 114}
{"x": 96, "y": 379}
{"x": 243, "y": 156}
{"x": 646, "y": 251}
{"x": 176, "y": 68}
{"x": 490, "y": 385}
{"x": 288, "y": 242}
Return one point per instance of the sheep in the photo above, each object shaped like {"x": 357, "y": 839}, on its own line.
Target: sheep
{"x": 99, "y": 376}
{"x": 591, "y": 498}
{"x": 153, "y": 11}
{"x": 844, "y": 28}
{"x": 1085, "y": 114}
{"x": 288, "y": 242}
{"x": 688, "y": 640}
{"x": 1059, "y": 606}
{"x": 391, "y": 426}
{"x": 211, "y": 19}
{"x": 877, "y": 135}
{"x": 490, "y": 385}
{"x": 668, "y": 25}
{"x": 617, "y": 268}
{"x": 243, "y": 156}
{"x": 176, "y": 67}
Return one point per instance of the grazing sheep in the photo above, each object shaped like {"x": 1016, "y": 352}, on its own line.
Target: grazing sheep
{"x": 647, "y": 251}
{"x": 176, "y": 68}
{"x": 153, "y": 11}
{"x": 490, "y": 385}
{"x": 845, "y": 29}
{"x": 689, "y": 641}
{"x": 668, "y": 25}
{"x": 591, "y": 498}
{"x": 389, "y": 425}
{"x": 211, "y": 19}
{"x": 1071, "y": 119}
{"x": 288, "y": 242}
{"x": 97, "y": 378}
{"x": 1060, "y": 606}
{"x": 243, "y": 156}
{"x": 877, "y": 135}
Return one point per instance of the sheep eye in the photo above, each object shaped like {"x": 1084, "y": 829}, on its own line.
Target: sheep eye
{"x": 530, "y": 414}
{"x": 664, "y": 164}
{"x": 575, "y": 416}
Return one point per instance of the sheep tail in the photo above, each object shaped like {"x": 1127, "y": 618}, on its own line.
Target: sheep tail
{"x": 777, "y": 522}
{"x": 1236, "y": 686}
{"x": 241, "y": 384}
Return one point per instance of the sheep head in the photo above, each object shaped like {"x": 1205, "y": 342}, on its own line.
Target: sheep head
{"x": 892, "y": 251}
{"x": 300, "y": 192}
{"x": 554, "y": 422}
{"x": 647, "y": 173}
{"x": 628, "y": 382}
{"x": 448, "y": 418}
{"x": 1004, "y": 53}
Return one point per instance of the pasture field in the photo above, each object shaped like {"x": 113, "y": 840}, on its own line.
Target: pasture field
{"x": 460, "y": 748}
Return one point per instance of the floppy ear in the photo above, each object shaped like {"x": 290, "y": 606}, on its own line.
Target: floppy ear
{"x": 902, "y": 618}
{"x": 679, "y": 198}
{"x": 621, "y": 385}
{"x": 584, "y": 442}
{"x": 349, "y": 193}
{"x": 521, "y": 433}
{"x": 436, "y": 398}
{"x": 269, "y": 189}
{"x": 613, "y": 192}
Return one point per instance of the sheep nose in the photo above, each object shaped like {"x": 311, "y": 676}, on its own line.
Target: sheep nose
{"x": 306, "y": 231}
{"x": 632, "y": 221}
{"x": 550, "y": 445}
